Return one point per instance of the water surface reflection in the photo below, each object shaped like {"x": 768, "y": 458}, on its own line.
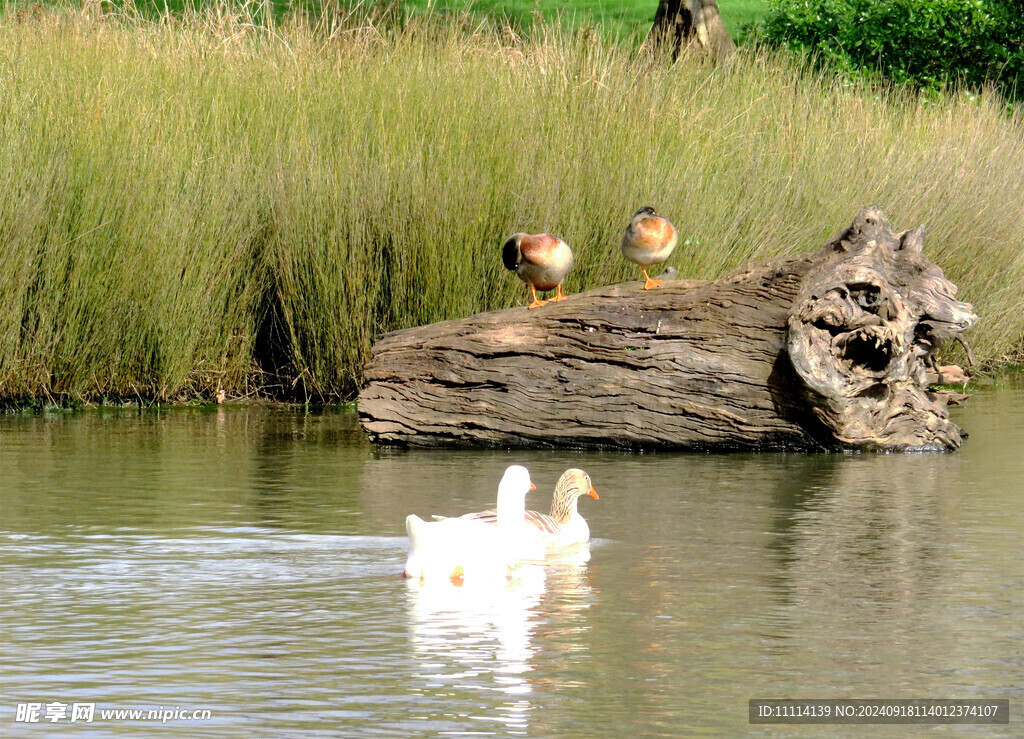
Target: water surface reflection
{"x": 248, "y": 561}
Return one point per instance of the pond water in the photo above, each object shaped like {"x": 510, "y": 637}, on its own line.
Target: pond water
{"x": 248, "y": 560}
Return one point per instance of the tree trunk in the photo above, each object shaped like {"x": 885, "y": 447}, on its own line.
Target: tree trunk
{"x": 824, "y": 350}
{"x": 681, "y": 22}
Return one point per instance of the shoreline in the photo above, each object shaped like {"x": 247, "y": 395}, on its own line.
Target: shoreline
{"x": 1010, "y": 375}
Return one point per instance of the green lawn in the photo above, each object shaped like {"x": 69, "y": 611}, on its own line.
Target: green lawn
{"x": 617, "y": 18}
{"x": 740, "y": 13}
{"x": 624, "y": 17}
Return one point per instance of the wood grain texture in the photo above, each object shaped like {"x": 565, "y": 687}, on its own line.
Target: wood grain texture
{"x": 691, "y": 364}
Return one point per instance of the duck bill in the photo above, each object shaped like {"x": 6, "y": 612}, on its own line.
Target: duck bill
{"x": 593, "y": 493}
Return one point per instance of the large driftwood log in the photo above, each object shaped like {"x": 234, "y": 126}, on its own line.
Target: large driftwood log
{"x": 828, "y": 349}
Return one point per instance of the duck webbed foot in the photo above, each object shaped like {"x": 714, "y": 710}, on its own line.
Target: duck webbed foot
{"x": 537, "y": 302}
{"x": 648, "y": 282}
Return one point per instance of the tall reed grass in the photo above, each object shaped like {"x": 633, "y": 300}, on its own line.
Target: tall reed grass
{"x": 187, "y": 203}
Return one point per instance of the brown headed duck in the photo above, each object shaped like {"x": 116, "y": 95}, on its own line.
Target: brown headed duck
{"x": 649, "y": 239}
{"x": 540, "y": 260}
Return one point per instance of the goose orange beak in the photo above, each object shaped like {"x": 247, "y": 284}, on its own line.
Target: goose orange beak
{"x": 532, "y": 485}
{"x": 593, "y": 493}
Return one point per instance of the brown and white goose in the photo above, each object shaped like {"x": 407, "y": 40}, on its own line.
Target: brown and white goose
{"x": 649, "y": 239}
{"x": 540, "y": 260}
{"x": 564, "y": 526}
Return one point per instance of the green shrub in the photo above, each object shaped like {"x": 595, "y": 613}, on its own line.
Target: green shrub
{"x": 925, "y": 43}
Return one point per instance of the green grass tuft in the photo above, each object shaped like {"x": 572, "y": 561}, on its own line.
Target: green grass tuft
{"x": 190, "y": 202}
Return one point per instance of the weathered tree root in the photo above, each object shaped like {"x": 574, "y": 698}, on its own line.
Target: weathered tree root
{"x": 822, "y": 350}
{"x": 869, "y": 315}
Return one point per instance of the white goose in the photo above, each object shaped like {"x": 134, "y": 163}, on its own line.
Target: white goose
{"x": 564, "y": 527}
{"x": 463, "y": 548}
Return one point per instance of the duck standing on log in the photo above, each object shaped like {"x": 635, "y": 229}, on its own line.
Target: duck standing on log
{"x": 540, "y": 260}
{"x": 649, "y": 239}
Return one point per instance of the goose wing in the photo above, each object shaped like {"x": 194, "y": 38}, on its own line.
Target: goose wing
{"x": 541, "y": 521}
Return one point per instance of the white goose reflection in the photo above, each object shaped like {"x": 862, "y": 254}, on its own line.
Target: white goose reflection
{"x": 479, "y": 636}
